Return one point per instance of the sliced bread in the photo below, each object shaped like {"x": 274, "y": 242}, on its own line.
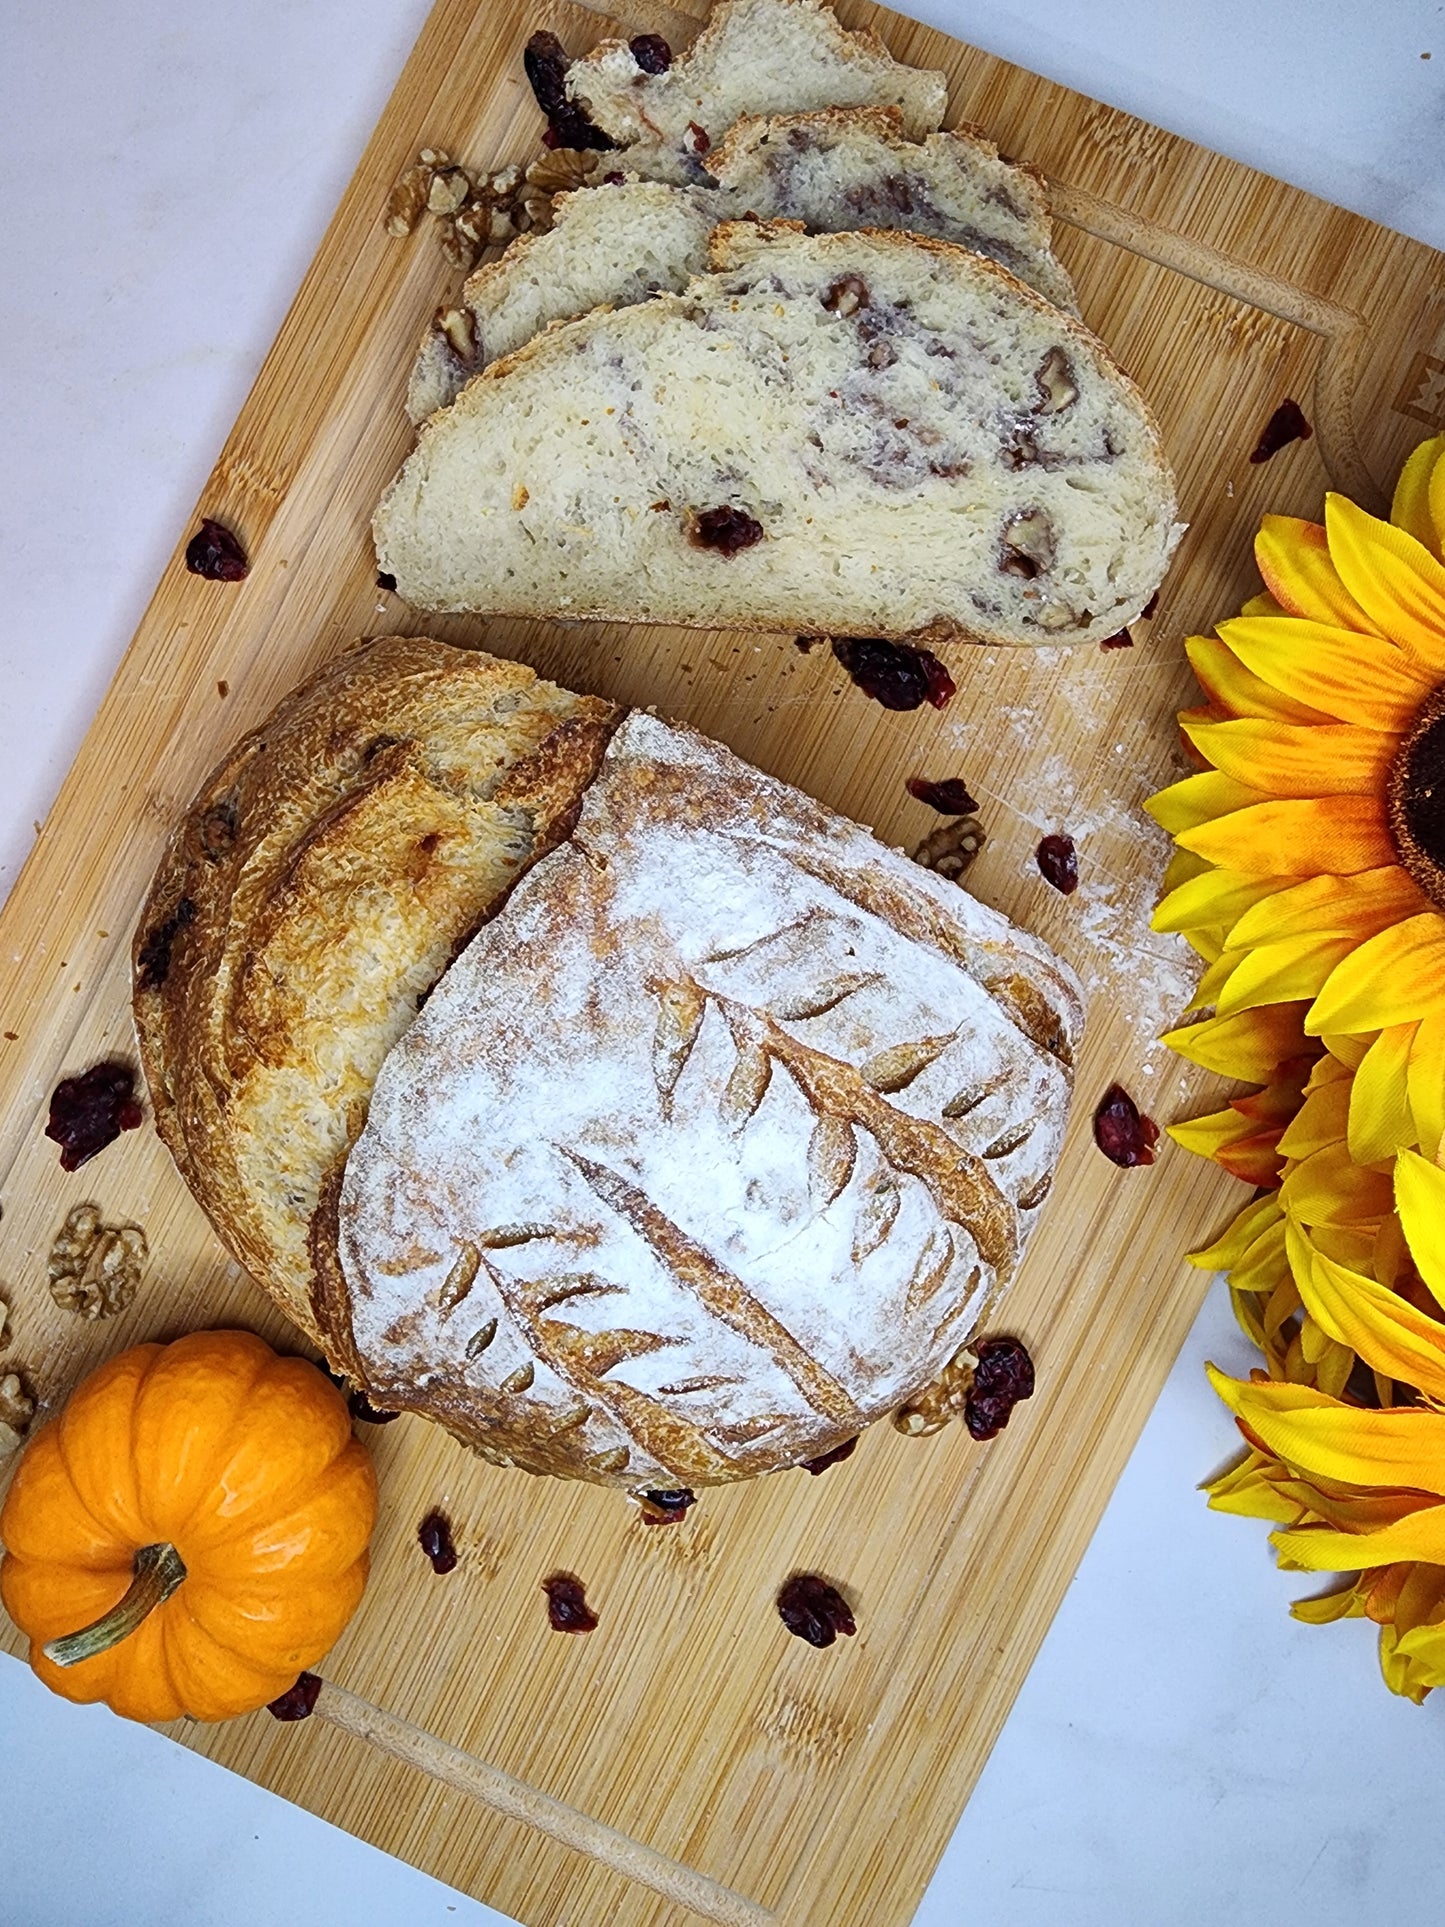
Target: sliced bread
{"x": 847, "y": 434}
{"x": 618, "y": 243}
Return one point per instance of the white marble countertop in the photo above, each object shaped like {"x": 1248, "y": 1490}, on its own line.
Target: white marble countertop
{"x": 1182, "y": 1752}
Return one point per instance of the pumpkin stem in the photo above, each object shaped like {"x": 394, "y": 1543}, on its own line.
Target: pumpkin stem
{"x": 159, "y": 1569}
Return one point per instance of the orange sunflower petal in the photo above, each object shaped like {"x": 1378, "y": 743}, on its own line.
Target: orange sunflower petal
{"x": 1237, "y": 690}
{"x": 1410, "y": 510}
{"x": 1296, "y": 759}
{"x": 1380, "y": 1116}
{"x": 1357, "y": 906}
{"x": 1294, "y": 559}
{"x": 1304, "y": 836}
{"x": 1200, "y": 799}
{"x": 1248, "y": 1045}
{"x": 1372, "y": 683}
{"x": 1403, "y": 1447}
{"x": 1391, "y": 978}
{"x": 1394, "y": 578}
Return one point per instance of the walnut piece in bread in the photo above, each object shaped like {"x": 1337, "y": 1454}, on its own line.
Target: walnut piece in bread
{"x": 929, "y": 450}
{"x": 711, "y": 1147}
{"x": 318, "y": 885}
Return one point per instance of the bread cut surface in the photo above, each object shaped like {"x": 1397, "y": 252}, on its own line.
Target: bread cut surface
{"x": 711, "y": 1147}
{"x": 316, "y": 888}
{"x": 752, "y": 57}
{"x": 925, "y": 448}
{"x": 621, "y": 242}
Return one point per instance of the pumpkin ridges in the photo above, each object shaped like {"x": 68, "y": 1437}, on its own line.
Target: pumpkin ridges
{"x": 281, "y": 1626}
{"x": 47, "y": 1519}
{"x": 185, "y": 1412}
{"x": 212, "y": 1681}
{"x": 141, "y": 1687}
{"x": 316, "y": 1539}
{"x": 293, "y": 1401}
{"x": 100, "y": 1412}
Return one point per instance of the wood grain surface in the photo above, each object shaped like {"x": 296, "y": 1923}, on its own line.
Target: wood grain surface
{"x": 689, "y": 1759}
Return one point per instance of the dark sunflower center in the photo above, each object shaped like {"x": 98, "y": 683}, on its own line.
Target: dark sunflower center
{"x": 1415, "y": 798}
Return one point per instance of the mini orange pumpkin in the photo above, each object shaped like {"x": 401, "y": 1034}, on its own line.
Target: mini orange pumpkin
{"x": 191, "y": 1532}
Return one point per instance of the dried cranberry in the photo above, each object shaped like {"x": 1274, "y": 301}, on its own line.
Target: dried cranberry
{"x": 666, "y": 1508}
{"x": 216, "y": 554}
{"x": 1121, "y": 1132}
{"x": 153, "y": 961}
{"x": 949, "y": 797}
{"x": 361, "y": 1407}
{"x": 725, "y": 529}
{"x": 434, "y": 1536}
{"x": 1058, "y": 863}
{"x": 1003, "y": 1376}
{"x": 90, "y": 1111}
{"x": 567, "y": 1607}
{"x": 896, "y": 674}
{"x": 1121, "y": 639}
{"x": 651, "y": 52}
{"x": 696, "y": 140}
{"x": 298, "y": 1702}
{"x": 813, "y": 1610}
{"x": 835, "y": 1457}
{"x": 1287, "y": 424}
{"x": 546, "y": 63}
{"x": 386, "y": 581}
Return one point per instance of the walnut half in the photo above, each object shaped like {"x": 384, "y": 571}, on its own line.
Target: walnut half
{"x": 17, "y": 1408}
{"x": 94, "y": 1267}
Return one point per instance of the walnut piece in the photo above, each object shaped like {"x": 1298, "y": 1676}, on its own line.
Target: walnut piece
{"x": 4, "y": 1324}
{"x": 952, "y": 847}
{"x": 450, "y": 189}
{"x": 17, "y": 1408}
{"x": 95, "y": 1267}
{"x": 930, "y": 1409}
{"x": 407, "y": 200}
{"x": 564, "y": 168}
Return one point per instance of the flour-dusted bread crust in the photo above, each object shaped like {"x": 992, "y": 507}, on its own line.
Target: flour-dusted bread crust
{"x": 857, "y": 168}
{"x": 711, "y": 1147}
{"x": 924, "y": 448}
{"x": 752, "y": 57}
{"x": 316, "y": 888}
{"x": 844, "y": 168}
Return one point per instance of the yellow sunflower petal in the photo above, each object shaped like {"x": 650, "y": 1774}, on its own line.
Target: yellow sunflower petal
{"x": 1358, "y": 906}
{"x": 1317, "y": 1549}
{"x": 1375, "y": 1322}
{"x": 1294, "y": 559}
{"x": 1303, "y": 836}
{"x": 1320, "y": 1121}
{"x": 1437, "y": 503}
{"x": 1330, "y": 1607}
{"x": 1262, "y": 604}
{"x": 1200, "y": 799}
{"x": 1247, "y": 1490}
{"x": 1420, "y": 1201}
{"x": 1238, "y": 690}
{"x": 1296, "y": 759}
{"x": 1394, "y": 578}
{"x": 1277, "y": 973}
{"x": 1410, "y": 509}
{"x": 1205, "y": 1136}
{"x": 1391, "y": 978}
{"x": 1404, "y": 1447}
{"x": 1329, "y": 1188}
{"x": 1248, "y": 1045}
{"x": 1238, "y": 1235}
{"x": 1181, "y": 867}
{"x": 1427, "y": 1084}
{"x": 1335, "y": 671}
{"x": 1221, "y": 967}
{"x": 1263, "y": 1266}
{"x": 1213, "y": 899}
{"x": 1380, "y": 1116}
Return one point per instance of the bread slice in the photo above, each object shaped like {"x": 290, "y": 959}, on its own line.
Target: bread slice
{"x": 712, "y": 1147}
{"x": 619, "y": 243}
{"x": 849, "y": 434}
{"x": 752, "y": 57}
{"x": 320, "y": 882}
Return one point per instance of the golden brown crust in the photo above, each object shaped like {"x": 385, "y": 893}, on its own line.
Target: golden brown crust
{"x": 324, "y": 875}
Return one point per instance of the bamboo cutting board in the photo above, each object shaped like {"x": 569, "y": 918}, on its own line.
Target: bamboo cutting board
{"x": 689, "y": 1759}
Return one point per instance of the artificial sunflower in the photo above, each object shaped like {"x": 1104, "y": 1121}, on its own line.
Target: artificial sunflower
{"x": 1312, "y": 867}
{"x": 1353, "y": 1487}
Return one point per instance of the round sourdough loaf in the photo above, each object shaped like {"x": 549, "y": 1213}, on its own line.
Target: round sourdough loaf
{"x": 320, "y": 882}
{"x": 708, "y": 1150}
